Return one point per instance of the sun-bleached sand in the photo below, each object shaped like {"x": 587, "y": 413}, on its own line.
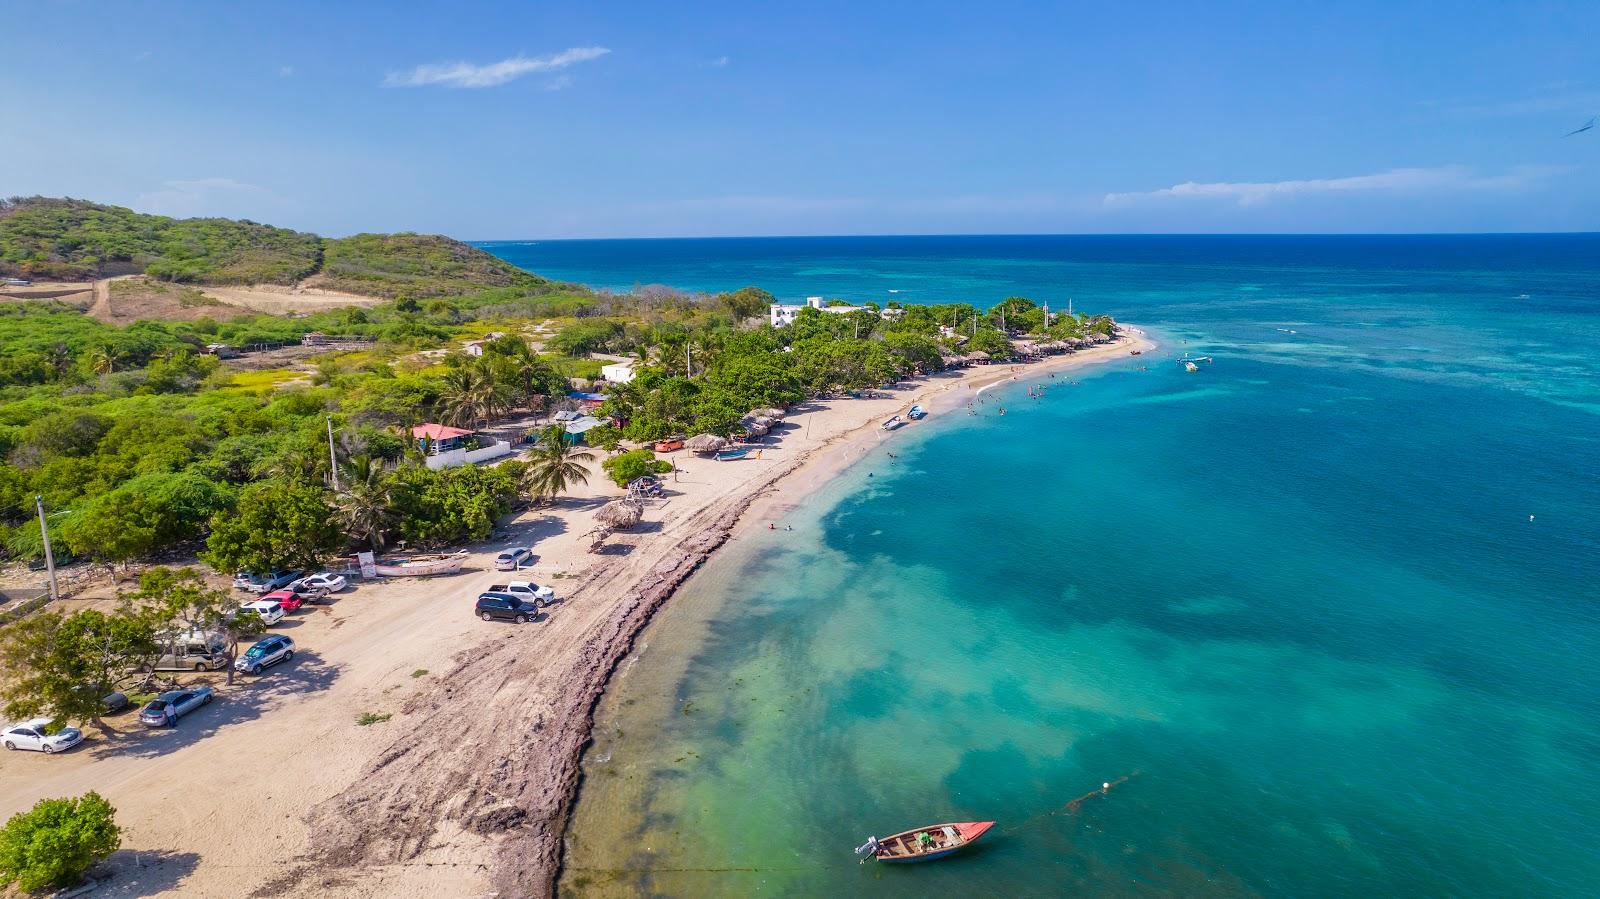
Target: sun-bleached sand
{"x": 466, "y": 789}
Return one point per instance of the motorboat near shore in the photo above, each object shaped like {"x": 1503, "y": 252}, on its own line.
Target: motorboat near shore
{"x": 925, "y": 844}
{"x": 892, "y": 422}
{"x": 421, "y": 566}
{"x": 917, "y": 413}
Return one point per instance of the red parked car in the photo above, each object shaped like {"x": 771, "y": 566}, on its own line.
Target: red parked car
{"x": 289, "y": 599}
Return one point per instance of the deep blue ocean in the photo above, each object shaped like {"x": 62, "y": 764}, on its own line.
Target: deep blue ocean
{"x": 1334, "y": 600}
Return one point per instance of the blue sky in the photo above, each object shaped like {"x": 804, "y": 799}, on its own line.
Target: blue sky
{"x": 608, "y": 119}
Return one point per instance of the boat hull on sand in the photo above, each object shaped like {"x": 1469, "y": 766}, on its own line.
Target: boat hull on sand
{"x": 943, "y": 840}
{"x": 421, "y": 566}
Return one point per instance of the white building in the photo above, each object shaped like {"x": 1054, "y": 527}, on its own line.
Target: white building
{"x": 784, "y": 313}
{"x": 618, "y": 372}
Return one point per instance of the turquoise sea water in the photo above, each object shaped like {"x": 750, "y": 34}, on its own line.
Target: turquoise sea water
{"x": 1335, "y": 598}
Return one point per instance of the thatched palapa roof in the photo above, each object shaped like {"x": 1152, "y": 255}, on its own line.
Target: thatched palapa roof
{"x": 769, "y": 413}
{"x": 704, "y": 443}
{"x": 620, "y": 514}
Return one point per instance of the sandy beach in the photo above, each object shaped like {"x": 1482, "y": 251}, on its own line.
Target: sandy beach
{"x": 466, "y": 789}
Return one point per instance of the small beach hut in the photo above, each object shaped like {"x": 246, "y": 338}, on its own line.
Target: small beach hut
{"x": 754, "y": 427}
{"x": 704, "y": 443}
{"x": 978, "y": 356}
{"x": 620, "y": 514}
{"x": 769, "y": 413}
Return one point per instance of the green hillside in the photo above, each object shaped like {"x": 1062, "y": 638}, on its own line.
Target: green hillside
{"x": 75, "y": 240}
{"x": 421, "y": 265}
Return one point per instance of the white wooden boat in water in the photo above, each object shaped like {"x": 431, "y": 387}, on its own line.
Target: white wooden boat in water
{"x": 421, "y": 566}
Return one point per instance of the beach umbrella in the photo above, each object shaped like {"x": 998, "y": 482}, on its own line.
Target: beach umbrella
{"x": 704, "y": 443}
{"x": 620, "y": 514}
{"x": 754, "y": 428}
{"x": 978, "y": 356}
{"x": 769, "y": 413}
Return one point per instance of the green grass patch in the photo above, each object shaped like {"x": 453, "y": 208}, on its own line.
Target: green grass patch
{"x": 264, "y": 381}
{"x": 420, "y": 672}
{"x": 366, "y": 718}
{"x": 578, "y": 368}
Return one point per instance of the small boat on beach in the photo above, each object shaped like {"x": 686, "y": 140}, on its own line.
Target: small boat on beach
{"x": 728, "y": 455}
{"x": 925, "y": 844}
{"x": 892, "y": 422}
{"x": 421, "y": 566}
{"x": 916, "y": 413}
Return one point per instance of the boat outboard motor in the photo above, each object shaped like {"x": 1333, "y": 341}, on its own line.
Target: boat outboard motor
{"x": 870, "y": 847}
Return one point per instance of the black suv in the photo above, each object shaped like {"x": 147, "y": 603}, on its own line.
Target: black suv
{"x": 503, "y": 606}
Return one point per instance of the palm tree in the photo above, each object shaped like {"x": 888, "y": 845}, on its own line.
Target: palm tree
{"x": 463, "y": 401}
{"x": 555, "y": 466}
{"x": 295, "y": 464}
{"x": 532, "y": 371}
{"x": 365, "y": 505}
{"x": 103, "y": 359}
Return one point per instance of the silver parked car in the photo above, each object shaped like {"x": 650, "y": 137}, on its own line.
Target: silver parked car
{"x": 266, "y": 652}
{"x": 264, "y": 583}
{"x": 166, "y": 709}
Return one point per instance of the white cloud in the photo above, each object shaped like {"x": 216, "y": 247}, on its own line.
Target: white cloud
{"x": 465, "y": 74}
{"x": 1404, "y": 180}
{"x": 201, "y": 197}
{"x": 721, "y": 62}
{"x": 285, "y": 71}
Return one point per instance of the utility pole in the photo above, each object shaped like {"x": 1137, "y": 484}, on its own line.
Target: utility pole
{"x": 688, "y": 361}
{"x": 333, "y": 461}
{"x": 49, "y": 557}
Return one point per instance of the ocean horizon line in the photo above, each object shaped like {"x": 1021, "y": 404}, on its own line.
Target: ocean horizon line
{"x": 480, "y": 242}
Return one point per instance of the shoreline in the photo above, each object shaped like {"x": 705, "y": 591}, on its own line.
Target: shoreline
{"x": 818, "y": 466}
{"x": 483, "y": 804}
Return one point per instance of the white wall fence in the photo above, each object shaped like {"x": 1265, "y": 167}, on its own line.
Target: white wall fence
{"x": 452, "y": 458}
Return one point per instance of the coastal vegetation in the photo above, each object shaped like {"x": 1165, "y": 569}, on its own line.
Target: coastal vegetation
{"x": 140, "y": 442}
{"x": 56, "y": 841}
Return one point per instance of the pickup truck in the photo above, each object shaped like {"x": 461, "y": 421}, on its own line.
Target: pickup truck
{"x": 526, "y": 591}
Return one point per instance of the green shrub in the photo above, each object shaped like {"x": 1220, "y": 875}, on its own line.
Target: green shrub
{"x": 52, "y": 844}
{"x": 624, "y": 467}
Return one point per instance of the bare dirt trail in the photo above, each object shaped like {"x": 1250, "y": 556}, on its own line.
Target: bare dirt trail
{"x": 101, "y": 307}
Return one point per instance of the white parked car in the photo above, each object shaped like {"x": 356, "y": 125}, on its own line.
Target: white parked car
{"x": 31, "y": 735}
{"x": 527, "y": 591}
{"x": 325, "y": 581}
{"x": 513, "y": 558}
{"x": 270, "y": 610}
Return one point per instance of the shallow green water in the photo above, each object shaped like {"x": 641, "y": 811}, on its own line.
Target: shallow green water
{"x": 1299, "y": 593}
